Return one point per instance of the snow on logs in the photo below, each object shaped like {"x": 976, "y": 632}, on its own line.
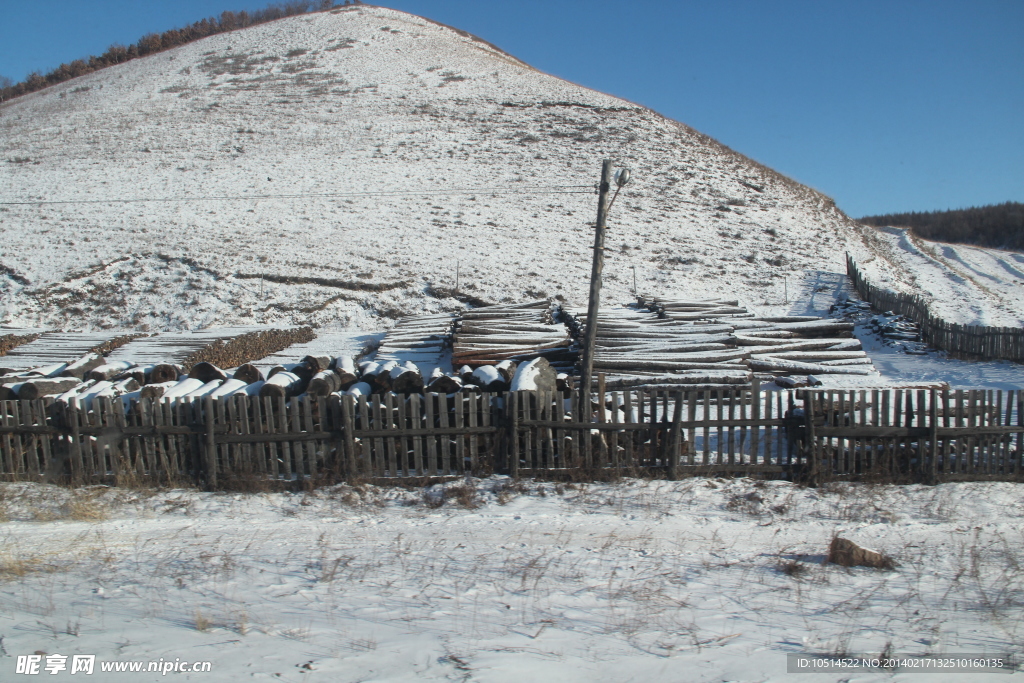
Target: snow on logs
{"x": 284, "y": 384}
{"x": 488, "y": 378}
{"x": 535, "y": 375}
{"x": 422, "y": 339}
{"x": 492, "y": 334}
{"x": 37, "y": 388}
{"x": 715, "y": 344}
{"x": 406, "y": 379}
{"x": 440, "y": 383}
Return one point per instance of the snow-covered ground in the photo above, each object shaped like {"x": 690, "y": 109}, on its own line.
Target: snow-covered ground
{"x": 895, "y": 366}
{"x": 697, "y": 580}
{"x": 962, "y": 284}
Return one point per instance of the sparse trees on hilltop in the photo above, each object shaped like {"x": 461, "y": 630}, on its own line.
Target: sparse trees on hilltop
{"x": 157, "y": 42}
{"x": 1000, "y": 226}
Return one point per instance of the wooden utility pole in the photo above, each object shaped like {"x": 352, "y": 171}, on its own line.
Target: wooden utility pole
{"x": 590, "y": 331}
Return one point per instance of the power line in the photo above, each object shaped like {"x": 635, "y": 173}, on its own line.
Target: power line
{"x": 545, "y": 189}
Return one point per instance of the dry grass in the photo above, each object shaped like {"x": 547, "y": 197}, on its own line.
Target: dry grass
{"x": 792, "y": 568}
{"x": 202, "y": 622}
{"x": 464, "y": 494}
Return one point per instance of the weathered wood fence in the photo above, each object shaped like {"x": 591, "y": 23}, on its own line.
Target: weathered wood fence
{"x": 915, "y": 435}
{"x": 887, "y": 435}
{"x": 1005, "y": 343}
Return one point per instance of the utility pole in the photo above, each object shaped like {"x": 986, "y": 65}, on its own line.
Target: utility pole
{"x": 590, "y": 331}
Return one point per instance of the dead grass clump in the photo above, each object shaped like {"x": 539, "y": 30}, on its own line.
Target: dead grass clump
{"x": 792, "y": 568}
{"x": 848, "y": 554}
{"x": 203, "y": 622}
{"x": 464, "y": 494}
{"x": 749, "y": 503}
{"x": 505, "y": 491}
{"x": 86, "y": 510}
{"x": 16, "y": 567}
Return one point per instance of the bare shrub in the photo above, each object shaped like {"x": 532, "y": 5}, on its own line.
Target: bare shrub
{"x": 749, "y": 503}
{"x": 792, "y": 568}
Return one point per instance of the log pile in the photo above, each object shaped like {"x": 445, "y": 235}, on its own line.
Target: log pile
{"x": 13, "y": 340}
{"x": 66, "y": 366}
{"x": 53, "y": 347}
{"x": 716, "y": 345}
{"x": 422, "y": 339}
{"x": 522, "y": 332}
{"x": 637, "y": 348}
{"x": 225, "y": 347}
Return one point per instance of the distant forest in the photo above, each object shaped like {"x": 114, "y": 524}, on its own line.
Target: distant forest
{"x": 158, "y": 42}
{"x": 1000, "y": 226}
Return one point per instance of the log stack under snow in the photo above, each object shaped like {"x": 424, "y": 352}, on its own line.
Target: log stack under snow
{"x": 717, "y": 345}
{"x": 668, "y": 343}
{"x": 521, "y": 332}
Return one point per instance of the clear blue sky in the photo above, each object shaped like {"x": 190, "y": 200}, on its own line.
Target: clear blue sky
{"x": 884, "y": 105}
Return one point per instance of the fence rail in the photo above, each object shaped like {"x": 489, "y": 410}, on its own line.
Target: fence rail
{"x": 890, "y": 435}
{"x": 1006, "y": 343}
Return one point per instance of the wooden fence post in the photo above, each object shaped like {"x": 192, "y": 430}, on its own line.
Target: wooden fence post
{"x": 513, "y": 436}
{"x": 811, "y": 444}
{"x": 211, "y": 444}
{"x": 933, "y": 435}
{"x": 677, "y": 438}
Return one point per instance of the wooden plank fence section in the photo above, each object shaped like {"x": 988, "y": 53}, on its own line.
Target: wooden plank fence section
{"x": 1006, "y": 343}
{"x": 886, "y": 435}
{"x": 923, "y": 435}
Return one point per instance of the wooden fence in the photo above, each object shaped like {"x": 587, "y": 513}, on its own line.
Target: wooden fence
{"x": 1005, "y": 343}
{"x": 915, "y": 435}
{"x": 889, "y": 435}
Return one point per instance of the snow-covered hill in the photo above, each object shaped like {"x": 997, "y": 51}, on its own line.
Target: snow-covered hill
{"x": 966, "y": 284}
{"x": 357, "y": 158}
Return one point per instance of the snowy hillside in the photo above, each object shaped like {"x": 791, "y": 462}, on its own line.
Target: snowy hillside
{"x": 357, "y": 158}
{"x": 367, "y": 100}
{"x": 970, "y": 285}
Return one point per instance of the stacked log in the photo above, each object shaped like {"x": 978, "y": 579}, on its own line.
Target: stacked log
{"x": 207, "y": 372}
{"x": 248, "y": 373}
{"x": 489, "y": 379}
{"x": 346, "y": 370}
{"x": 284, "y": 384}
{"x": 156, "y": 390}
{"x": 81, "y": 367}
{"x": 229, "y": 387}
{"x": 225, "y": 347}
{"x": 636, "y": 348}
{"x": 492, "y": 334}
{"x": 37, "y": 388}
{"x": 716, "y": 344}
{"x": 50, "y": 348}
{"x": 324, "y": 383}
{"x": 406, "y": 379}
{"x": 441, "y": 383}
{"x": 535, "y": 375}
{"x": 108, "y": 371}
{"x": 13, "y": 341}
{"x": 422, "y": 339}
